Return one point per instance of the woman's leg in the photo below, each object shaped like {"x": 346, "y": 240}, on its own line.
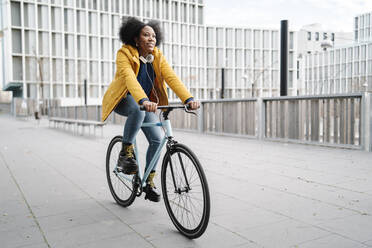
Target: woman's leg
{"x": 154, "y": 135}
{"x": 128, "y": 107}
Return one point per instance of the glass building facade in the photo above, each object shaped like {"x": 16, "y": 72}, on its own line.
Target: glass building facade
{"x": 363, "y": 27}
{"x": 342, "y": 69}
{"x": 52, "y": 47}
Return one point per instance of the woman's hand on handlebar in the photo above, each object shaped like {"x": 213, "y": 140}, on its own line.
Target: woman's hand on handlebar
{"x": 150, "y": 106}
{"x": 193, "y": 105}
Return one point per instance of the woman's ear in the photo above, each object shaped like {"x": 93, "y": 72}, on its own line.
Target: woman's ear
{"x": 136, "y": 41}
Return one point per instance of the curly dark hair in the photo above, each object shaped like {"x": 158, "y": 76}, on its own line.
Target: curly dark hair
{"x": 131, "y": 28}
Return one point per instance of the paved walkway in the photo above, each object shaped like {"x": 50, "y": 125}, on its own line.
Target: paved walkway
{"x": 53, "y": 193}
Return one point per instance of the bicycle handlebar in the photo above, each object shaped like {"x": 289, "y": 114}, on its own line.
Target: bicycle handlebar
{"x": 169, "y": 107}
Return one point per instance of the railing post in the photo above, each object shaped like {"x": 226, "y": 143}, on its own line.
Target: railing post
{"x": 261, "y": 118}
{"x": 85, "y": 112}
{"x": 201, "y": 118}
{"x": 366, "y": 119}
{"x": 369, "y": 112}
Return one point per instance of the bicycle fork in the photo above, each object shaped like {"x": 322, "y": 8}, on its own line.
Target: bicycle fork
{"x": 179, "y": 189}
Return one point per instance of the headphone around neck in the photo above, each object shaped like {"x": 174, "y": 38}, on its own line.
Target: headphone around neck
{"x": 149, "y": 58}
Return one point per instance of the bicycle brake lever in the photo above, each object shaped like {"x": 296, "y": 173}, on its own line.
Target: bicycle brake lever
{"x": 190, "y": 111}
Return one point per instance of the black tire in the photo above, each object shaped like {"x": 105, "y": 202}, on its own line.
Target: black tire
{"x": 124, "y": 192}
{"x": 189, "y": 210}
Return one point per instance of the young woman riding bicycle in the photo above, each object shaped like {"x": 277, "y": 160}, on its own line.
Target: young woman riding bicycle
{"x": 141, "y": 73}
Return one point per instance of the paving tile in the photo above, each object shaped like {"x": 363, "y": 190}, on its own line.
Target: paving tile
{"x": 82, "y": 234}
{"x": 141, "y": 211}
{"x": 75, "y": 218}
{"x": 331, "y": 241}
{"x": 369, "y": 243}
{"x": 241, "y": 220}
{"x": 21, "y": 237}
{"x": 16, "y": 222}
{"x": 55, "y": 207}
{"x": 214, "y": 236}
{"x": 38, "y": 245}
{"x": 13, "y": 207}
{"x": 356, "y": 227}
{"x": 283, "y": 234}
{"x": 126, "y": 240}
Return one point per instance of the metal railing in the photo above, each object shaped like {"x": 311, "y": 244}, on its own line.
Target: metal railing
{"x": 333, "y": 120}
{"x": 228, "y": 116}
{"x": 329, "y": 120}
{"x": 21, "y": 107}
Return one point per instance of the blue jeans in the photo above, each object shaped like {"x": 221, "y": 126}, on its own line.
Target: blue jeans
{"x": 135, "y": 117}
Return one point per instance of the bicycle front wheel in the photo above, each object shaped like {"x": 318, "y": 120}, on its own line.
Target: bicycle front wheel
{"x": 185, "y": 191}
{"x": 123, "y": 187}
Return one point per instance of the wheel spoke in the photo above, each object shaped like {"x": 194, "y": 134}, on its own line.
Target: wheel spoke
{"x": 186, "y": 205}
{"x": 121, "y": 188}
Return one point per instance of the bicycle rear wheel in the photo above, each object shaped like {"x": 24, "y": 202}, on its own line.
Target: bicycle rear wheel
{"x": 185, "y": 191}
{"x": 123, "y": 187}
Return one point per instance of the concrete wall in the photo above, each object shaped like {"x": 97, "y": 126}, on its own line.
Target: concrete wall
{"x": 5, "y": 96}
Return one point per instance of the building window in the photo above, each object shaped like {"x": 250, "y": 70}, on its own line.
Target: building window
{"x": 57, "y": 19}
{"x": 16, "y": 14}
{"x": 291, "y": 40}
{"x": 192, "y": 14}
{"x": 275, "y": 40}
{"x": 104, "y": 5}
{"x": 30, "y": 42}
{"x": 229, "y": 37}
{"x": 43, "y": 43}
{"x": 308, "y": 35}
{"x": 16, "y": 41}
{"x": 317, "y": 36}
{"x": 147, "y": 8}
{"x": 29, "y": 15}
{"x": 200, "y": 15}
{"x": 104, "y": 24}
{"x": 68, "y": 20}
{"x": 175, "y": 11}
{"x": 43, "y": 18}
{"x": 333, "y": 37}
{"x": 368, "y": 20}
{"x": 183, "y": 12}
{"x": 17, "y": 68}
{"x": 81, "y": 21}
{"x": 266, "y": 39}
{"x": 93, "y": 23}
{"x": 81, "y": 46}
{"x": 256, "y": 39}
{"x": 298, "y": 69}
{"x": 81, "y": 71}
{"x": 325, "y": 36}
{"x": 80, "y": 4}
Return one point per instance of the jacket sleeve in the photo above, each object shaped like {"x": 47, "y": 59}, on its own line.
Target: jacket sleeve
{"x": 173, "y": 81}
{"x": 127, "y": 76}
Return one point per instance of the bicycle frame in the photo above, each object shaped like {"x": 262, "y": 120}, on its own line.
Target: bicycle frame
{"x": 178, "y": 165}
{"x": 168, "y": 134}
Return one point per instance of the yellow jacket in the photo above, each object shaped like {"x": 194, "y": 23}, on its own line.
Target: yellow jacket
{"x": 127, "y": 68}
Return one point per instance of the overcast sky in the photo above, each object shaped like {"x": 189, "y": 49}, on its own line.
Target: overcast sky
{"x": 336, "y": 15}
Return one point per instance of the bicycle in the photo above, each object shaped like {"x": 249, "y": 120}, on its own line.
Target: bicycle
{"x": 183, "y": 182}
